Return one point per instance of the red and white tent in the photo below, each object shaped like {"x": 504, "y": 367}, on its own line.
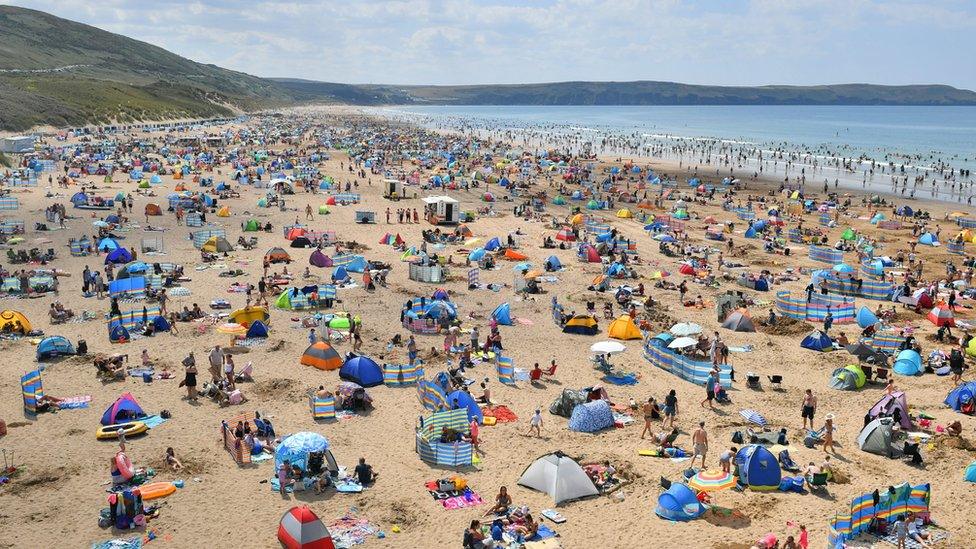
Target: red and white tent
{"x": 941, "y": 315}
{"x": 300, "y": 528}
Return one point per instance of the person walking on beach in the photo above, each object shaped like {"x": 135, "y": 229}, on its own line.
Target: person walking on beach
{"x": 308, "y": 212}
{"x": 699, "y": 440}
{"x": 190, "y": 377}
{"x": 535, "y": 424}
{"x": 670, "y": 408}
{"x": 709, "y": 389}
{"x": 828, "y": 321}
{"x": 809, "y": 408}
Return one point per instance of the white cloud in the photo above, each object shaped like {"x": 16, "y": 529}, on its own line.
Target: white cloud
{"x": 475, "y": 41}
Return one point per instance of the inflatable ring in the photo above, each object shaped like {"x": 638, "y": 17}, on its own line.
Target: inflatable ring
{"x": 108, "y": 432}
{"x": 156, "y": 490}
{"x": 124, "y": 466}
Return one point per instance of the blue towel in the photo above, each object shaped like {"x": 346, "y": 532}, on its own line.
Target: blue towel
{"x": 120, "y": 543}
{"x": 153, "y": 421}
{"x": 544, "y": 532}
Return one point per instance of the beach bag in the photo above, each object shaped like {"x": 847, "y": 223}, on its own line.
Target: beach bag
{"x": 460, "y": 483}
{"x": 737, "y": 437}
{"x": 445, "y": 485}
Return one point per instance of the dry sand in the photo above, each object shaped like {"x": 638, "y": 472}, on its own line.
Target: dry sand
{"x": 56, "y": 500}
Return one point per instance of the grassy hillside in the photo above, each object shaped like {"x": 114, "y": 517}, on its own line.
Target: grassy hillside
{"x": 59, "y": 72}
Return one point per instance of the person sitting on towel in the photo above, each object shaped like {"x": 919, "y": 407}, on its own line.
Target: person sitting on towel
{"x": 365, "y": 473}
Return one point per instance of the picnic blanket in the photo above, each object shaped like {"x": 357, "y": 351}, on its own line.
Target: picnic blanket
{"x": 501, "y": 413}
{"x": 75, "y": 402}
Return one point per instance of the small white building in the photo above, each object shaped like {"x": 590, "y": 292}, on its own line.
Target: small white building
{"x": 393, "y": 188}
{"x": 442, "y": 210}
{"x": 17, "y": 144}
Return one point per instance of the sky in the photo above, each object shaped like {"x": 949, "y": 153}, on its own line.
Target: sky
{"x": 726, "y": 42}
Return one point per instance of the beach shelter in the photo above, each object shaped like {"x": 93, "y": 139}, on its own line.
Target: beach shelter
{"x": 875, "y": 438}
{"x": 928, "y": 239}
{"x": 252, "y": 226}
{"x": 493, "y": 244}
{"x": 257, "y": 329}
{"x": 153, "y": 209}
{"x": 866, "y": 317}
{"x": 848, "y": 378}
{"x": 553, "y": 264}
{"x": 322, "y": 356}
{"x": 848, "y": 234}
{"x": 908, "y": 363}
{"x": 118, "y": 256}
{"x": 503, "y": 314}
{"x": 300, "y": 528}
{"x": 581, "y": 324}
{"x": 53, "y": 346}
{"x": 125, "y": 408}
{"x": 301, "y": 242}
{"x": 216, "y": 244}
{"x": 462, "y": 400}
{"x": 340, "y": 275}
{"x": 559, "y": 476}
{"x": 679, "y": 503}
{"x": 319, "y": 259}
{"x": 758, "y": 468}
{"x": 224, "y": 211}
{"x": 970, "y": 474}
{"x": 107, "y": 244}
{"x": 117, "y": 333}
{"x": 362, "y": 370}
{"x": 12, "y": 319}
{"x": 277, "y": 255}
{"x": 624, "y": 213}
{"x": 887, "y": 406}
{"x": 589, "y": 254}
{"x": 566, "y": 235}
{"x": 963, "y": 398}
{"x": 941, "y": 315}
{"x": 817, "y": 340}
{"x": 623, "y": 327}
{"x": 739, "y": 321}
{"x": 591, "y": 417}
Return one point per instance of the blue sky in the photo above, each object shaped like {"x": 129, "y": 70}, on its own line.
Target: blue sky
{"x": 732, "y": 42}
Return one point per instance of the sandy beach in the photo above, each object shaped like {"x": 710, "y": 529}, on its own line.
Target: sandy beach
{"x": 56, "y": 496}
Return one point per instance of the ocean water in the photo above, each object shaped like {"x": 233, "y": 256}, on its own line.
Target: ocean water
{"x": 932, "y": 143}
{"x": 929, "y": 134}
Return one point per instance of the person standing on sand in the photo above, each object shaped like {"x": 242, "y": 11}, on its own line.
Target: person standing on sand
{"x": 648, "y": 410}
{"x": 699, "y": 440}
{"x": 308, "y": 212}
{"x": 809, "y": 408}
{"x": 828, "y": 440}
{"x": 710, "y": 384}
{"x": 670, "y": 408}
{"x": 216, "y": 361}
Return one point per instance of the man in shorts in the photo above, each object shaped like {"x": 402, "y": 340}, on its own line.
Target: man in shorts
{"x": 808, "y": 408}
{"x": 700, "y": 441}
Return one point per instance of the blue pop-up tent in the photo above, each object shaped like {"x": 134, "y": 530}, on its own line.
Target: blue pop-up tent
{"x": 817, "y": 341}
{"x": 362, "y": 370}
{"x": 679, "y": 503}
{"x": 53, "y": 346}
{"x": 963, "y": 398}
{"x": 118, "y": 255}
{"x": 503, "y": 314}
{"x": 758, "y": 468}
{"x": 464, "y": 400}
{"x": 907, "y": 363}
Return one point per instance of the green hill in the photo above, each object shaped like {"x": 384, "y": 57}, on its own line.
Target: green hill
{"x": 59, "y": 72}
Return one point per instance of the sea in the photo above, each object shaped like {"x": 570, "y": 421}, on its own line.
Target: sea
{"x": 930, "y": 140}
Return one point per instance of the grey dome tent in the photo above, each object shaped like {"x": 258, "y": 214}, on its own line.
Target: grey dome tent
{"x": 876, "y": 437}
{"x": 564, "y": 403}
{"x": 739, "y": 322}
{"x": 559, "y": 476}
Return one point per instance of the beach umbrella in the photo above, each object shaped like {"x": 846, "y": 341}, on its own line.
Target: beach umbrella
{"x": 711, "y": 481}
{"x": 607, "y": 348}
{"x": 682, "y": 342}
{"x": 753, "y": 417}
{"x": 685, "y": 329}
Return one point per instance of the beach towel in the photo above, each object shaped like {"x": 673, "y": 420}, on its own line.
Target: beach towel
{"x": 625, "y": 379}
{"x": 120, "y": 543}
{"x": 742, "y": 349}
{"x": 622, "y": 419}
{"x": 153, "y": 421}
{"x": 501, "y": 413}
{"x": 349, "y": 531}
{"x": 263, "y": 456}
{"x": 74, "y": 403}
{"x": 935, "y": 535}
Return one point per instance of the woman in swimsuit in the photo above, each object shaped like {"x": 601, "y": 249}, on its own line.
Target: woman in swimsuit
{"x": 502, "y": 502}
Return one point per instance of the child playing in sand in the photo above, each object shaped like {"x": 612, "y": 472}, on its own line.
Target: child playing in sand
{"x": 172, "y": 460}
